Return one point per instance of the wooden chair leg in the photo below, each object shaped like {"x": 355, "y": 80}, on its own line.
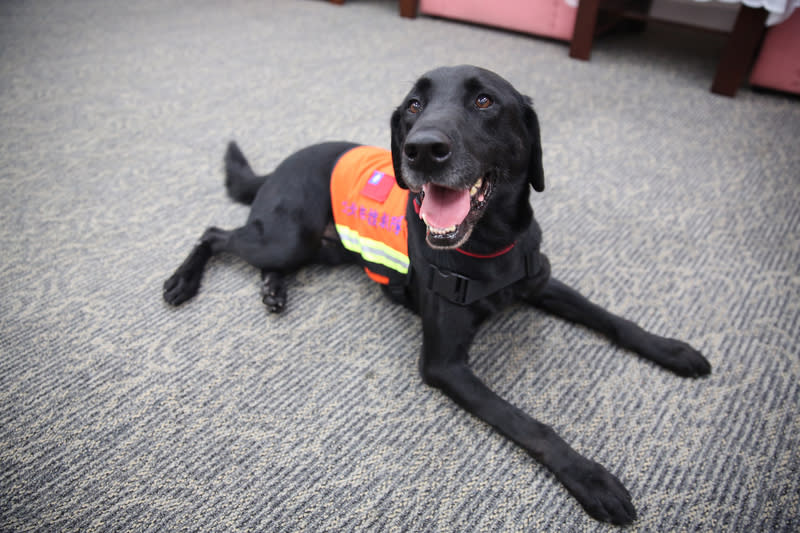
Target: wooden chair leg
{"x": 408, "y": 8}
{"x": 583, "y": 34}
{"x": 739, "y": 51}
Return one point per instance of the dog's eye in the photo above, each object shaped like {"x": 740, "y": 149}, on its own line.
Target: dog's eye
{"x": 483, "y": 101}
{"x": 414, "y": 106}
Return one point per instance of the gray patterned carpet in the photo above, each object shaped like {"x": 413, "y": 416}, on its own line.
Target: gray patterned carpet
{"x": 664, "y": 202}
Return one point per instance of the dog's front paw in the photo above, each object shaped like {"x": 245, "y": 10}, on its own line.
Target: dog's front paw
{"x": 180, "y": 287}
{"x": 677, "y": 356}
{"x": 600, "y": 493}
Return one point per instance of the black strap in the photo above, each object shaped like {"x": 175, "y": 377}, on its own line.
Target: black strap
{"x": 462, "y": 290}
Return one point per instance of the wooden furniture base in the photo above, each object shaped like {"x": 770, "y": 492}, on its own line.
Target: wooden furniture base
{"x": 408, "y": 8}
{"x": 737, "y": 56}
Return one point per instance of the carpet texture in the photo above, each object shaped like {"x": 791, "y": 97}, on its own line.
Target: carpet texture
{"x": 664, "y": 202}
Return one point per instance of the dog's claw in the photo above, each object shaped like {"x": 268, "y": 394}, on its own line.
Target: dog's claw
{"x": 599, "y": 492}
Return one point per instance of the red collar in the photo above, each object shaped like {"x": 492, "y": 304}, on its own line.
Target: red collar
{"x": 498, "y": 253}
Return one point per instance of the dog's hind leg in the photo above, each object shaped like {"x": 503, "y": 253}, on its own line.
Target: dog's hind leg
{"x": 565, "y": 302}
{"x": 274, "y": 256}
{"x": 185, "y": 282}
{"x": 275, "y": 252}
{"x": 291, "y": 209}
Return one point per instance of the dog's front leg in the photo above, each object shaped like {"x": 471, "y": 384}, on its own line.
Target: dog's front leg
{"x": 561, "y": 300}
{"x": 448, "y": 330}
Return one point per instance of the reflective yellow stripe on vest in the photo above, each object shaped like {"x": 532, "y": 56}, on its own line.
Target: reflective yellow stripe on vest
{"x": 372, "y": 250}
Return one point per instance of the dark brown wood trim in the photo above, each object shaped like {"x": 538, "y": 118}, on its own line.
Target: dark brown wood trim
{"x": 408, "y": 8}
{"x": 740, "y": 50}
{"x": 583, "y": 34}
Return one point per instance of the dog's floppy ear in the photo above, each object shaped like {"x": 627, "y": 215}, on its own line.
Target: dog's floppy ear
{"x": 535, "y": 168}
{"x": 397, "y": 147}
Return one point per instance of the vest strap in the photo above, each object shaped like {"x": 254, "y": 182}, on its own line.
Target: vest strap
{"x": 463, "y": 290}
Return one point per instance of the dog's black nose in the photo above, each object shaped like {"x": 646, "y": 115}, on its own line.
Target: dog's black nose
{"x": 427, "y": 149}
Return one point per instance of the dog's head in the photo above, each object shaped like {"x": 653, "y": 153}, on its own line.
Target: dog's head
{"x": 464, "y": 137}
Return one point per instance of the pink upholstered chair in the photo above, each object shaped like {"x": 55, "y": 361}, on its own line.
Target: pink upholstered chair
{"x": 546, "y": 18}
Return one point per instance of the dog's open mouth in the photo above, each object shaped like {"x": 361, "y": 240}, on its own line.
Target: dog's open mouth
{"x": 450, "y": 214}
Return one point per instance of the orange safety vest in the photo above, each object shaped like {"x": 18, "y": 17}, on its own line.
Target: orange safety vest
{"x": 369, "y": 212}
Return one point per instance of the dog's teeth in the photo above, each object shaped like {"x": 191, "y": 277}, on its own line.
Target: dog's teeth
{"x": 441, "y": 231}
{"x": 475, "y": 188}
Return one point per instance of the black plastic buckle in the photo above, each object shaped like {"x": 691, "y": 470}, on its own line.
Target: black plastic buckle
{"x": 462, "y": 290}
{"x": 449, "y": 285}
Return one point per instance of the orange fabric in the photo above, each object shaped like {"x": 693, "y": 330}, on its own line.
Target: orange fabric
{"x": 383, "y": 280}
{"x": 383, "y": 222}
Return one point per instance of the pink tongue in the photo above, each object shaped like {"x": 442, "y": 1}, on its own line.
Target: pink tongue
{"x": 443, "y": 207}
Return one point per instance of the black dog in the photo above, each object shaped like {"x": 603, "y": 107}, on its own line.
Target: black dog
{"x": 465, "y": 144}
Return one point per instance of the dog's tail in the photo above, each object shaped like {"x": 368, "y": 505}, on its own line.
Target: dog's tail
{"x": 240, "y": 180}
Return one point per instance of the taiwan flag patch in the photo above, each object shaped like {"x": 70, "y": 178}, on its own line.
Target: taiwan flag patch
{"x": 378, "y": 186}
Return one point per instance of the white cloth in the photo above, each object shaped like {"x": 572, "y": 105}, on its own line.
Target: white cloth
{"x": 779, "y": 10}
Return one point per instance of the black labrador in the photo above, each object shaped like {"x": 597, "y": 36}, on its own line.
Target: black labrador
{"x": 465, "y": 141}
